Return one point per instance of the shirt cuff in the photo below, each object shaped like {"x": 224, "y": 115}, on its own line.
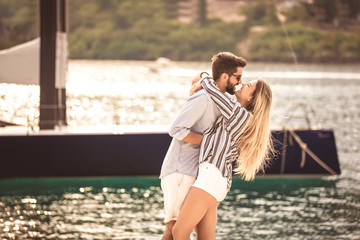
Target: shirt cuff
{"x": 181, "y": 134}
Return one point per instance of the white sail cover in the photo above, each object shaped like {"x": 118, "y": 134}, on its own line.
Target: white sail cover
{"x": 61, "y": 60}
{"x": 21, "y": 64}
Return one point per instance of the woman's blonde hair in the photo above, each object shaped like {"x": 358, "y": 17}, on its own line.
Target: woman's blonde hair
{"x": 255, "y": 144}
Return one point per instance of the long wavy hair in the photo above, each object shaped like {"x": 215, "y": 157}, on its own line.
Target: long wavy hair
{"x": 255, "y": 144}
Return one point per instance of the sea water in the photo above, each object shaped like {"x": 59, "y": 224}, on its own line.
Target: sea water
{"x": 115, "y": 93}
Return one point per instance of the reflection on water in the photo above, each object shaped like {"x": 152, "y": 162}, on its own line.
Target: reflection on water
{"x": 81, "y": 208}
{"x": 132, "y": 92}
{"x": 132, "y": 208}
{"x": 290, "y": 209}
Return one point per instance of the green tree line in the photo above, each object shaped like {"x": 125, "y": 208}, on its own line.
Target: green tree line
{"x": 321, "y": 31}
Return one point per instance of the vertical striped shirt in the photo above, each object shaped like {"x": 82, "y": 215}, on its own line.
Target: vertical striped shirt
{"x": 218, "y": 146}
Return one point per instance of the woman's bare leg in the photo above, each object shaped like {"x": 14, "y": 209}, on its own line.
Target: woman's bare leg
{"x": 206, "y": 228}
{"x": 195, "y": 206}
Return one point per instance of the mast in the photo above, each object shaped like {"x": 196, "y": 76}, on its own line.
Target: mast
{"x": 53, "y": 63}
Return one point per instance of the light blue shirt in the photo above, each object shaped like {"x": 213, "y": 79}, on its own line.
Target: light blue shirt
{"x": 198, "y": 114}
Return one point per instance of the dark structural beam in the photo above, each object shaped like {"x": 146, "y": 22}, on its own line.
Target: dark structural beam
{"x": 52, "y": 98}
{"x": 48, "y": 25}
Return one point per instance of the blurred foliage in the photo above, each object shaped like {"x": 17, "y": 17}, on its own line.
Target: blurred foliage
{"x": 19, "y": 22}
{"x": 310, "y": 45}
{"x": 144, "y": 30}
{"x": 327, "y": 13}
{"x": 261, "y": 12}
{"x": 322, "y": 31}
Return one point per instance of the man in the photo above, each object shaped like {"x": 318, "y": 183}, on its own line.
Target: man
{"x": 181, "y": 163}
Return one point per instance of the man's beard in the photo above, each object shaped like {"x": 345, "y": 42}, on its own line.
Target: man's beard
{"x": 229, "y": 88}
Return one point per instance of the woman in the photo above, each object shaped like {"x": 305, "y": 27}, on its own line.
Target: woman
{"x": 241, "y": 136}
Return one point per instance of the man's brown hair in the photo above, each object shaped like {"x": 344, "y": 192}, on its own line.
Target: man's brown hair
{"x": 226, "y": 62}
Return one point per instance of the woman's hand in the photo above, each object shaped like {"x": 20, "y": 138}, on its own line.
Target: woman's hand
{"x": 195, "y": 85}
{"x": 195, "y": 88}
{"x": 199, "y": 77}
{"x": 196, "y": 79}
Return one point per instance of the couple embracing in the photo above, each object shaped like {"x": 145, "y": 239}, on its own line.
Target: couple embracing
{"x": 214, "y": 136}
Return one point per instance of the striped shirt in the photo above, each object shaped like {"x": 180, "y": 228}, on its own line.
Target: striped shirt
{"x": 218, "y": 146}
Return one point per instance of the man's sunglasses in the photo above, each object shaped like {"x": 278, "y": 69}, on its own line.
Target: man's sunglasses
{"x": 238, "y": 77}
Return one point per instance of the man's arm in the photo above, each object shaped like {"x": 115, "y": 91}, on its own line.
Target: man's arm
{"x": 194, "y": 138}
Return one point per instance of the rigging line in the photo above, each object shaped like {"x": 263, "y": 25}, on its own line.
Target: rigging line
{"x": 304, "y": 148}
{"x": 283, "y": 152}
{"x": 282, "y": 20}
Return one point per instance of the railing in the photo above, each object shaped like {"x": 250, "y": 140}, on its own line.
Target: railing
{"x": 308, "y": 115}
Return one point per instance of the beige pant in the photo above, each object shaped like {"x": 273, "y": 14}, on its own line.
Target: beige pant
{"x": 175, "y": 187}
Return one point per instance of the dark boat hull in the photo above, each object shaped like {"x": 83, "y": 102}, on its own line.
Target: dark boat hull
{"x": 138, "y": 154}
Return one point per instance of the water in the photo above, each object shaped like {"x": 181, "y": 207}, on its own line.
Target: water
{"x": 131, "y": 208}
{"x": 139, "y": 93}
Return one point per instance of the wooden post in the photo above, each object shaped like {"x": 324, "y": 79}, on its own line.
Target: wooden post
{"x": 52, "y": 97}
{"x": 48, "y": 26}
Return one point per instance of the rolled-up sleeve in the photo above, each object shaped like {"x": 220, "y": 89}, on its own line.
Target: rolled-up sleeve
{"x": 189, "y": 114}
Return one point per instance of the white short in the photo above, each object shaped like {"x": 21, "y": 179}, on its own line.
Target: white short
{"x": 175, "y": 187}
{"x": 211, "y": 180}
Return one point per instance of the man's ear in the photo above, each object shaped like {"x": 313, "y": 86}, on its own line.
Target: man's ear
{"x": 224, "y": 76}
